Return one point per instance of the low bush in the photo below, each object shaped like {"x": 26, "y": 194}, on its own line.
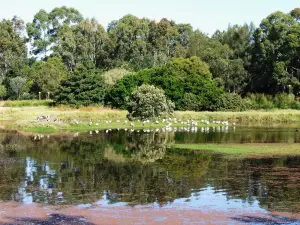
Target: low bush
{"x": 231, "y": 102}
{"x": 267, "y": 102}
{"x": 284, "y": 101}
{"x": 259, "y": 101}
{"x": 147, "y": 102}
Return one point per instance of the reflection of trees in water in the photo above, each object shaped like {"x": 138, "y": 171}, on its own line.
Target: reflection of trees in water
{"x": 275, "y": 183}
{"x": 241, "y": 135}
{"x": 148, "y": 148}
{"x": 139, "y": 168}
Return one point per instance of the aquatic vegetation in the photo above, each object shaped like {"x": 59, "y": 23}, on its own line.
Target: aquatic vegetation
{"x": 247, "y": 150}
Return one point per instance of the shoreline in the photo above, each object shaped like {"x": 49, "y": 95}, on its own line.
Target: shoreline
{"x": 64, "y": 120}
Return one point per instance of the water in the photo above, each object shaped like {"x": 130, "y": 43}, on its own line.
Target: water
{"x": 123, "y": 168}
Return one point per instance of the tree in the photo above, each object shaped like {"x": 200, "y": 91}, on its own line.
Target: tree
{"x": 221, "y": 59}
{"x": 82, "y": 88}
{"x": 92, "y": 44}
{"x": 147, "y": 102}
{"x": 17, "y": 84}
{"x": 237, "y": 37}
{"x": 178, "y": 77}
{"x": 44, "y": 29}
{"x": 119, "y": 94}
{"x": 46, "y": 76}
{"x": 12, "y": 48}
{"x": 295, "y": 13}
{"x": 275, "y": 59}
{"x": 112, "y": 76}
{"x": 38, "y": 32}
{"x": 129, "y": 37}
{"x": 85, "y": 43}
{"x": 181, "y": 76}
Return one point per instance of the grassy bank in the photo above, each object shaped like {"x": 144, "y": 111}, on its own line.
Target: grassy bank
{"x": 255, "y": 117}
{"x": 24, "y": 118}
{"x": 26, "y": 103}
{"x": 247, "y": 150}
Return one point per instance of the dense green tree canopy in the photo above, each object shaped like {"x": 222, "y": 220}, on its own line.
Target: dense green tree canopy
{"x": 46, "y": 76}
{"x": 12, "y": 47}
{"x": 275, "y": 58}
{"x": 82, "y": 88}
{"x": 193, "y": 69}
{"x": 178, "y": 77}
{"x": 44, "y": 29}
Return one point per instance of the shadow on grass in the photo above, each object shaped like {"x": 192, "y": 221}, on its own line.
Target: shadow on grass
{"x": 53, "y": 219}
{"x": 271, "y": 220}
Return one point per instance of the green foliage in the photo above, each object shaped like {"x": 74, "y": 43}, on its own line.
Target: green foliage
{"x": 279, "y": 101}
{"x": 28, "y": 103}
{"x": 17, "y": 85}
{"x": 231, "y": 102}
{"x": 45, "y": 76}
{"x": 295, "y": 13}
{"x": 12, "y": 48}
{"x": 45, "y": 27}
{"x": 191, "y": 102}
{"x": 220, "y": 59}
{"x": 192, "y": 68}
{"x": 119, "y": 94}
{"x": 275, "y": 65}
{"x": 177, "y": 78}
{"x": 3, "y": 91}
{"x": 284, "y": 101}
{"x": 147, "y": 102}
{"x": 259, "y": 101}
{"x": 112, "y": 76}
{"x": 182, "y": 76}
{"x": 82, "y": 88}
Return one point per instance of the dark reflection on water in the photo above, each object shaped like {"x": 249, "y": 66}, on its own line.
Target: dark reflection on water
{"x": 135, "y": 168}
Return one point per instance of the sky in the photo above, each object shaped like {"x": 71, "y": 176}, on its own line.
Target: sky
{"x": 206, "y": 15}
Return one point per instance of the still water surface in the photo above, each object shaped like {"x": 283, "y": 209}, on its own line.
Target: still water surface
{"x": 123, "y": 168}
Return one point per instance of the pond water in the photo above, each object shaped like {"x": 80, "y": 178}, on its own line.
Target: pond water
{"x": 139, "y": 168}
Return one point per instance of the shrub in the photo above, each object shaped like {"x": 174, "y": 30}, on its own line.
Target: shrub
{"x": 231, "y": 102}
{"x": 3, "y": 91}
{"x": 259, "y": 101}
{"x": 148, "y": 101}
{"x": 284, "y": 100}
{"x": 191, "y": 102}
{"x": 295, "y": 105}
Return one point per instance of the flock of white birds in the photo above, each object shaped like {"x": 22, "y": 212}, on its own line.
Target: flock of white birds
{"x": 147, "y": 126}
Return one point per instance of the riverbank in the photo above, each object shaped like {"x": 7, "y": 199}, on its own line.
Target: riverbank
{"x": 67, "y": 119}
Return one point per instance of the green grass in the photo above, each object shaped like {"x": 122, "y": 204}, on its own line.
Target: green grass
{"x": 247, "y": 150}
{"x": 24, "y": 118}
{"x": 40, "y": 130}
{"x": 247, "y": 117}
{"x": 26, "y": 103}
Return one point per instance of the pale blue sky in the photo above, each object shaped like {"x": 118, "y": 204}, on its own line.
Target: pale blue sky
{"x": 207, "y": 15}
